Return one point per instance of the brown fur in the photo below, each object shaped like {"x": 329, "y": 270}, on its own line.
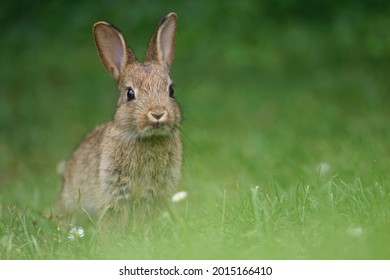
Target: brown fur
{"x": 132, "y": 162}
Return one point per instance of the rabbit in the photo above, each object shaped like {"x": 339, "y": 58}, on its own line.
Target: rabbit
{"x": 132, "y": 163}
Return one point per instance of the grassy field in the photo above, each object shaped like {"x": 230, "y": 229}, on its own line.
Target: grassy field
{"x": 286, "y": 129}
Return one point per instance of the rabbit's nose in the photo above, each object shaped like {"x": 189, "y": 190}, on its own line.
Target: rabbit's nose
{"x": 159, "y": 116}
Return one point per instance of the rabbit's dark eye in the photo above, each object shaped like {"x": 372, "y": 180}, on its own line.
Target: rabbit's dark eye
{"x": 171, "y": 91}
{"x": 130, "y": 93}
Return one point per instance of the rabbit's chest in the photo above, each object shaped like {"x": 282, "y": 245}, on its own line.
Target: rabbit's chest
{"x": 137, "y": 175}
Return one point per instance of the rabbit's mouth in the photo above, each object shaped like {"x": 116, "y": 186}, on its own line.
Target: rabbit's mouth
{"x": 157, "y": 122}
{"x": 156, "y": 129}
{"x": 158, "y": 125}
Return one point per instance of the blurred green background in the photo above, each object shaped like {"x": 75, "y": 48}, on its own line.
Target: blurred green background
{"x": 276, "y": 94}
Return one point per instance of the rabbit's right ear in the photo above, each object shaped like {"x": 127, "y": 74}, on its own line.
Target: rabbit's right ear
{"x": 112, "y": 48}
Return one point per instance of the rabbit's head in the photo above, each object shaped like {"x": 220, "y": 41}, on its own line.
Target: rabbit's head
{"x": 146, "y": 106}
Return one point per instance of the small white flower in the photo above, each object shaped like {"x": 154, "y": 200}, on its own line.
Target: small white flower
{"x": 179, "y": 196}
{"x": 75, "y": 233}
{"x": 323, "y": 168}
{"x": 355, "y": 231}
{"x": 61, "y": 167}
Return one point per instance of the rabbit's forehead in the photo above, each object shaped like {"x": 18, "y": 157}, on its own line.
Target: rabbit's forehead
{"x": 146, "y": 77}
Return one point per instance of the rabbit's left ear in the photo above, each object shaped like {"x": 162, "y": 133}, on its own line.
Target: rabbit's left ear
{"x": 161, "y": 46}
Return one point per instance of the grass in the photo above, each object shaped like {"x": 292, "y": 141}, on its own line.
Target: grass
{"x": 286, "y": 133}
{"x": 332, "y": 220}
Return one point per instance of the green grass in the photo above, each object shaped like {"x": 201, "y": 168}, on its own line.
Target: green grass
{"x": 267, "y": 103}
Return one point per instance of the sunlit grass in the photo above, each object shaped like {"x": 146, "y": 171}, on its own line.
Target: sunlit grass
{"x": 334, "y": 219}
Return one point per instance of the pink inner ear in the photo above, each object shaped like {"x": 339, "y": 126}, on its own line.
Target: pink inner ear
{"x": 111, "y": 49}
{"x": 114, "y": 48}
{"x": 117, "y": 53}
{"x": 167, "y": 36}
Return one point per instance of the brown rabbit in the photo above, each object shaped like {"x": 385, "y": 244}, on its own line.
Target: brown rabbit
{"x": 131, "y": 163}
